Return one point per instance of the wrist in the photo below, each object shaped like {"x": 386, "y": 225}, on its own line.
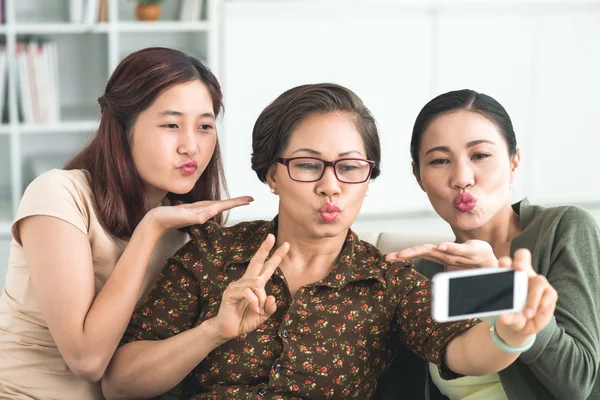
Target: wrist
{"x": 149, "y": 226}
{"x": 212, "y": 332}
{"x": 510, "y": 341}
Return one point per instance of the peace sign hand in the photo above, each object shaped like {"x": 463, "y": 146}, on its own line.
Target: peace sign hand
{"x": 245, "y": 304}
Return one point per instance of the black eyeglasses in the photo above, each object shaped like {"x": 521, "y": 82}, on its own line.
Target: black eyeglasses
{"x": 311, "y": 169}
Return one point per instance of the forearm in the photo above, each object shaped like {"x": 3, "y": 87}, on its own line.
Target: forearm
{"x": 474, "y": 352}
{"x": 112, "y": 308}
{"x": 569, "y": 370}
{"x": 149, "y": 368}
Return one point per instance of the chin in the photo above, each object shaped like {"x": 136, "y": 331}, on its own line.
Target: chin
{"x": 181, "y": 189}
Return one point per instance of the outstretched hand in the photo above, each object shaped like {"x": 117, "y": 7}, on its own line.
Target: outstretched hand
{"x": 470, "y": 254}
{"x": 166, "y": 218}
{"x": 245, "y": 304}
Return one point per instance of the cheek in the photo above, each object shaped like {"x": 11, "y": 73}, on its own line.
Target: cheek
{"x": 433, "y": 182}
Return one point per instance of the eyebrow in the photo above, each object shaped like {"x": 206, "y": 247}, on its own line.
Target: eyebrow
{"x": 179, "y": 114}
{"x": 446, "y": 149}
{"x": 318, "y": 153}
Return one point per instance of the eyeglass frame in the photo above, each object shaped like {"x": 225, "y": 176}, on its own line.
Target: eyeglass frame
{"x": 286, "y": 162}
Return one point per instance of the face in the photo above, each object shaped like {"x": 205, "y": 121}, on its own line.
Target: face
{"x": 465, "y": 169}
{"x": 173, "y": 140}
{"x": 327, "y": 207}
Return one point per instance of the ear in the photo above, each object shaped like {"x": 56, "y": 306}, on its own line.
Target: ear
{"x": 271, "y": 181}
{"x": 514, "y": 165}
{"x": 417, "y": 175}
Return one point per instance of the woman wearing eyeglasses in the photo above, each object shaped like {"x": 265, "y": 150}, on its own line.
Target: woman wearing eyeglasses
{"x": 299, "y": 307}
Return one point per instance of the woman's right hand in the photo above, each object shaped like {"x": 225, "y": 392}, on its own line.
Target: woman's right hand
{"x": 245, "y": 304}
{"x": 166, "y": 218}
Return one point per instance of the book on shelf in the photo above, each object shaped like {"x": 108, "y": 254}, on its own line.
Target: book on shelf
{"x": 191, "y": 10}
{"x": 37, "y": 82}
{"x": 3, "y": 83}
{"x": 88, "y": 11}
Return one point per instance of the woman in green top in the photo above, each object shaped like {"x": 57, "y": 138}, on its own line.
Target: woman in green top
{"x": 465, "y": 157}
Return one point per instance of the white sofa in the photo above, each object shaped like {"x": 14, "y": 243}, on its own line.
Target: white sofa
{"x": 389, "y": 242}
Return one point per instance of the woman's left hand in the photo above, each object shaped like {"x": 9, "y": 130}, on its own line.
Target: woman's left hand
{"x": 470, "y": 254}
{"x": 515, "y": 329}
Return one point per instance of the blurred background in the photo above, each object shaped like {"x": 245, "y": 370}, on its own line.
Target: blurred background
{"x": 539, "y": 58}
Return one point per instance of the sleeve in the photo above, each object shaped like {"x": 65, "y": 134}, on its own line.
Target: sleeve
{"x": 565, "y": 356}
{"x": 54, "y": 193}
{"x": 414, "y": 326}
{"x": 173, "y": 304}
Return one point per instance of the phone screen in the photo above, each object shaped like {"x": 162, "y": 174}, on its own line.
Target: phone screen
{"x": 481, "y": 293}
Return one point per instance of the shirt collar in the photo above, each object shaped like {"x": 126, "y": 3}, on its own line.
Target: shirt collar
{"x": 358, "y": 261}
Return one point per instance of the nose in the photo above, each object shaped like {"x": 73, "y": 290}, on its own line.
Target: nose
{"x": 462, "y": 175}
{"x": 187, "y": 142}
{"x": 328, "y": 185}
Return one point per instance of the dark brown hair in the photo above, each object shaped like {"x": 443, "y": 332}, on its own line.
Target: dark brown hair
{"x": 274, "y": 126}
{"x": 464, "y": 99}
{"x": 134, "y": 85}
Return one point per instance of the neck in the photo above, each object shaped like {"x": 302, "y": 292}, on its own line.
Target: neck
{"x": 154, "y": 197}
{"x": 308, "y": 252}
{"x": 498, "y": 232}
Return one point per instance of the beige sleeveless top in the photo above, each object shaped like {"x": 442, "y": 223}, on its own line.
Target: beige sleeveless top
{"x": 30, "y": 363}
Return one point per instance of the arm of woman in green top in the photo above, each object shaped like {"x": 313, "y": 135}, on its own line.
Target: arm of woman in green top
{"x": 566, "y": 354}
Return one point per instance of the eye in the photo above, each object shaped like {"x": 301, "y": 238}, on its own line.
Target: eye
{"x": 439, "y": 161}
{"x": 205, "y": 127}
{"x": 170, "y": 126}
{"x": 347, "y": 167}
{"x": 480, "y": 156}
{"x": 307, "y": 166}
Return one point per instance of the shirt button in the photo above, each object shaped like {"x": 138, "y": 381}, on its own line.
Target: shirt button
{"x": 285, "y": 333}
{"x": 277, "y": 368}
{"x": 262, "y": 392}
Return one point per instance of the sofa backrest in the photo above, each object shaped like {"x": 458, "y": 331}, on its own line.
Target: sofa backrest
{"x": 389, "y": 242}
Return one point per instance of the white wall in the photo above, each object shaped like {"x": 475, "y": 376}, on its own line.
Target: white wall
{"x": 540, "y": 59}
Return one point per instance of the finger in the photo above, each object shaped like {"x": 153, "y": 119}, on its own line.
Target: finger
{"x": 458, "y": 249}
{"x": 270, "y": 306}
{"x": 448, "y": 259}
{"x": 505, "y": 262}
{"x": 522, "y": 262}
{"x": 260, "y": 293}
{"x": 252, "y": 299}
{"x": 237, "y": 293}
{"x": 546, "y": 308}
{"x": 411, "y": 252}
{"x": 271, "y": 265}
{"x": 535, "y": 291}
{"x": 210, "y": 210}
{"x": 258, "y": 260}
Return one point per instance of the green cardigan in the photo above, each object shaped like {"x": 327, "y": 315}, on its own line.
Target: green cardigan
{"x": 564, "y": 361}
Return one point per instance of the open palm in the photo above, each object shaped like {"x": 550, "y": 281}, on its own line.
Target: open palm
{"x": 182, "y": 215}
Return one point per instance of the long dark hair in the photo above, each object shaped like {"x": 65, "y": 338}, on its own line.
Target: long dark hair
{"x": 134, "y": 85}
{"x": 465, "y": 99}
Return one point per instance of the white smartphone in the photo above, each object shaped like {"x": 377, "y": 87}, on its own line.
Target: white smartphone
{"x": 478, "y": 292}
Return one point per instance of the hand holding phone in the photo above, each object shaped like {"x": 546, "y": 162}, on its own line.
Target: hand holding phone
{"x": 518, "y": 319}
{"x": 478, "y": 293}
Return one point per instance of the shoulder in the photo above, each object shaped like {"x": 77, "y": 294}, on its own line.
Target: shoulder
{"x": 396, "y": 275}
{"x": 63, "y": 194}
{"x": 562, "y": 218}
{"x": 60, "y": 179}
{"x": 239, "y": 233}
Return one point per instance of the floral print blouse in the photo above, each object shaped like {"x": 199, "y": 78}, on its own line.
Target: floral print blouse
{"x": 333, "y": 339}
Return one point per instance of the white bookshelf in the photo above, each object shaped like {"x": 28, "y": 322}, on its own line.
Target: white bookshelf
{"x": 87, "y": 54}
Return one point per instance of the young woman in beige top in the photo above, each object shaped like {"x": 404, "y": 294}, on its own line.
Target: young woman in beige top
{"x": 89, "y": 239}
